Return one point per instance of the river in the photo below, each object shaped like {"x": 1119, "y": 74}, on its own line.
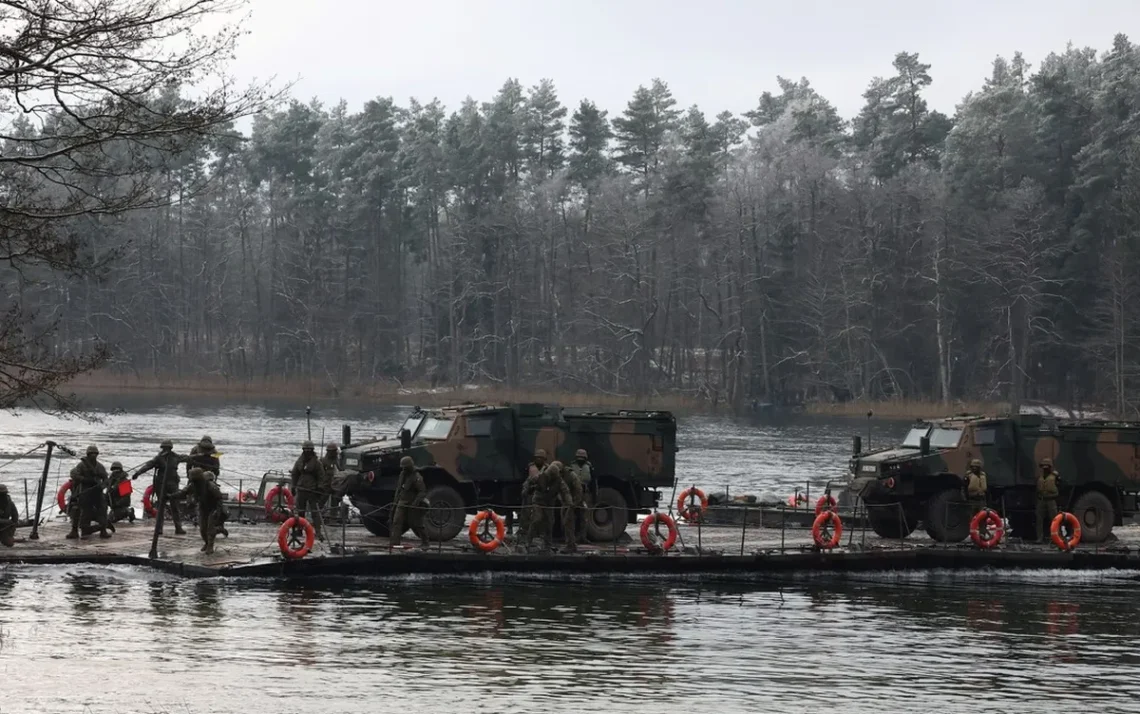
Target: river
{"x": 86, "y": 639}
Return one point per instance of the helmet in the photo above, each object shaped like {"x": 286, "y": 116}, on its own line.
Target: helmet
{"x": 196, "y": 473}
{"x": 540, "y": 453}
{"x": 332, "y": 446}
{"x": 116, "y": 466}
{"x": 206, "y": 439}
{"x": 3, "y": 489}
{"x": 167, "y": 444}
{"x": 580, "y": 454}
{"x": 307, "y": 446}
{"x": 1046, "y": 462}
{"x": 555, "y": 466}
{"x": 407, "y": 463}
{"x": 976, "y": 462}
{"x": 206, "y": 443}
{"x": 92, "y": 450}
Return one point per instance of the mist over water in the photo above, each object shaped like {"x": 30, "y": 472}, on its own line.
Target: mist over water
{"x": 937, "y": 641}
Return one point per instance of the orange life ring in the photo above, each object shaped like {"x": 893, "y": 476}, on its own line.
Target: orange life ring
{"x": 247, "y": 496}
{"x": 61, "y": 496}
{"x": 271, "y": 511}
{"x": 691, "y": 512}
{"x": 669, "y": 539}
{"x": 283, "y": 538}
{"x": 996, "y": 528}
{"x": 1055, "y": 531}
{"x": 825, "y": 503}
{"x": 500, "y": 531}
{"x": 817, "y": 529}
{"x": 148, "y": 502}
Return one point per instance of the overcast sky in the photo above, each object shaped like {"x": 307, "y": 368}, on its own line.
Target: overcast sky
{"x": 718, "y": 54}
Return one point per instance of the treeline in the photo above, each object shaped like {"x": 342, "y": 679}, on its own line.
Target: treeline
{"x": 784, "y": 255}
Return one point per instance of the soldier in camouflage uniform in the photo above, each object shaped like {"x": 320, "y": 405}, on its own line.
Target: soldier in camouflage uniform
{"x": 572, "y": 508}
{"x": 533, "y": 469}
{"x": 331, "y": 479}
{"x": 211, "y": 506}
{"x": 544, "y": 492}
{"x": 88, "y": 478}
{"x": 166, "y": 482}
{"x": 204, "y": 455}
{"x": 976, "y": 486}
{"x": 1048, "y": 488}
{"x": 582, "y": 469}
{"x": 308, "y": 477}
{"x": 9, "y": 517}
{"x": 409, "y": 503}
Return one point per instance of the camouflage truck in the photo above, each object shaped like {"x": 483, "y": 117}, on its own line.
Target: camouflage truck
{"x": 921, "y": 480}
{"x": 473, "y": 456}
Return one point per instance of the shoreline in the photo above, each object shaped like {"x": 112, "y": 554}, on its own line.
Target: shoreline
{"x": 394, "y": 394}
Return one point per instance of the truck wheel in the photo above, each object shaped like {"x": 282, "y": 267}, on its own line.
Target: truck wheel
{"x": 446, "y": 515}
{"x": 608, "y": 516}
{"x": 1096, "y": 515}
{"x": 376, "y": 520}
{"x": 886, "y": 521}
{"x": 948, "y": 517}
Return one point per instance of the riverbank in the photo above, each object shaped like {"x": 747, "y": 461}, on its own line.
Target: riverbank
{"x": 904, "y": 408}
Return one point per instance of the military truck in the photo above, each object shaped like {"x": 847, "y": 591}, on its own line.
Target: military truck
{"x": 921, "y": 480}
{"x": 477, "y": 455}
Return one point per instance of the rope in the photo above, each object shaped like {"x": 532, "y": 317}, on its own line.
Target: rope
{"x": 22, "y": 456}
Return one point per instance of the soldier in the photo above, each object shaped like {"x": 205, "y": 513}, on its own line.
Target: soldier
{"x": 166, "y": 482}
{"x": 308, "y": 477}
{"x": 88, "y": 478}
{"x": 582, "y": 469}
{"x": 331, "y": 479}
{"x": 9, "y": 517}
{"x": 976, "y": 486}
{"x": 1048, "y": 483}
{"x": 205, "y": 456}
{"x": 533, "y": 469}
{"x": 120, "y": 507}
{"x": 211, "y": 509}
{"x": 544, "y": 492}
{"x": 572, "y": 508}
{"x": 409, "y": 503}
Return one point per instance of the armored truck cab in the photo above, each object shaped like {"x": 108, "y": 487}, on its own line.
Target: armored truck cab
{"x": 476, "y": 456}
{"x": 921, "y": 480}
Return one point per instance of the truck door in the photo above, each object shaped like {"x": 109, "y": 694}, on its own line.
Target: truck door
{"x": 995, "y": 442}
{"x": 490, "y": 437}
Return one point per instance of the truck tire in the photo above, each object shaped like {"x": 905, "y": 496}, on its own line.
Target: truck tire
{"x": 885, "y": 520}
{"x": 446, "y": 515}
{"x": 1096, "y": 515}
{"x": 376, "y": 520}
{"x": 948, "y": 516}
{"x": 608, "y": 516}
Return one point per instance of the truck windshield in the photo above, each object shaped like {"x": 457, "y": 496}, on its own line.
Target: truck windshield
{"x": 434, "y": 428}
{"x": 945, "y": 438}
{"x": 412, "y": 423}
{"x": 914, "y": 435}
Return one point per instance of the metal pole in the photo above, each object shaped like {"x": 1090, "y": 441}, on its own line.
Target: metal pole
{"x": 35, "y": 534}
{"x": 343, "y": 527}
{"x": 743, "y": 529}
{"x": 309, "y": 422}
{"x": 783, "y": 524}
{"x": 159, "y": 517}
{"x": 26, "y": 513}
{"x": 241, "y": 496}
{"x": 699, "y": 536}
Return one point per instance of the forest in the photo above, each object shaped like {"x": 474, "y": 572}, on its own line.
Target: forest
{"x": 788, "y": 255}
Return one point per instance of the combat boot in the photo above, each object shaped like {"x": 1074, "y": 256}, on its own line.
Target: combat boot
{"x": 179, "y": 531}
{"x": 104, "y": 534}
{"x": 74, "y": 534}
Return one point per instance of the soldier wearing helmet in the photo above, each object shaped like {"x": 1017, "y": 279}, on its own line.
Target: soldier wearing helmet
{"x": 166, "y": 481}
{"x": 211, "y": 505}
{"x": 332, "y": 478}
{"x": 544, "y": 493}
{"x": 88, "y": 479}
{"x": 976, "y": 486}
{"x": 409, "y": 503}
{"x": 9, "y": 518}
{"x": 1048, "y": 488}
{"x": 308, "y": 478}
{"x": 573, "y": 509}
{"x": 204, "y": 455}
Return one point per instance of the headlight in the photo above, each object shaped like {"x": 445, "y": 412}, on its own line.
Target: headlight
{"x": 351, "y": 461}
{"x": 869, "y": 469}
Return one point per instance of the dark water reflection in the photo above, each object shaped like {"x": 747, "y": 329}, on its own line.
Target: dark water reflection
{"x": 936, "y": 642}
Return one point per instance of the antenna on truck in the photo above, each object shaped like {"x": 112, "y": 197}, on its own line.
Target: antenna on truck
{"x": 869, "y": 415}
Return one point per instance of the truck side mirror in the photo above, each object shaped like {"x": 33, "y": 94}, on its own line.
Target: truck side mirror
{"x": 924, "y": 445}
{"x": 345, "y": 436}
{"x": 856, "y": 445}
{"x": 405, "y": 439}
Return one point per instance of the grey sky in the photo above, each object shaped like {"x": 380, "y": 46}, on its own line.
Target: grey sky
{"x": 719, "y": 54}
